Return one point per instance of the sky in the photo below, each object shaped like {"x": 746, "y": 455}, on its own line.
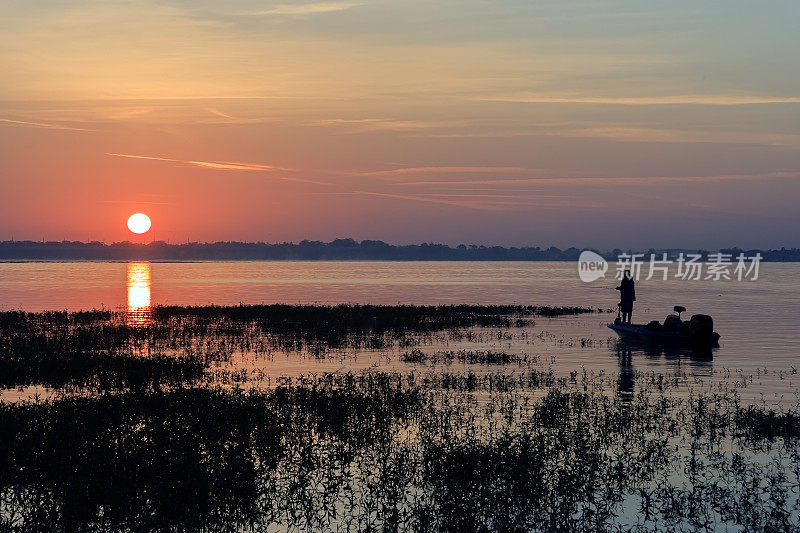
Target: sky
{"x": 629, "y": 124}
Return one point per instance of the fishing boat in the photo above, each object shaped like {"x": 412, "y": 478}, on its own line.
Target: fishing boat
{"x": 697, "y": 331}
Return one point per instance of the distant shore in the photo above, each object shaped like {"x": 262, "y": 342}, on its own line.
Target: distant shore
{"x": 337, "y": 250}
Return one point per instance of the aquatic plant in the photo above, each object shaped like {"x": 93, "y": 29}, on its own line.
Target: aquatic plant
{"x": 98, "y": 349}
{"x": 471, "y": 357}
{"x": 74, "y": 371}
{"x": 149, "y": 429}
{"x": 396, "y": 451}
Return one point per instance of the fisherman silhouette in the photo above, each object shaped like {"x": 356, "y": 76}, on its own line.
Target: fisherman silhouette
{"x": 627, "y": 295}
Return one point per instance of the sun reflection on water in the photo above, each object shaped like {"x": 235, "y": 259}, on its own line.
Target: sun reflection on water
{"x": 139, "y": 304}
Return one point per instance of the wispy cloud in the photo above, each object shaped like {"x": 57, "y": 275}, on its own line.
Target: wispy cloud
{"x": 452, "y": 170}
{"x": 44, "y": 125}
{"x": 312, "y": 8}
{"x": 219, "y": 113}
{"x": 544, "y": 180}
{"x": 227, "y": 165}
{"x": 134, "y": 202}
{"x": 477, "y": 203}
{"x": 686, "y": 99}
{"x": 626, "y": 133}
{"x": 150, "y": 158}
{"x": 494, "y": 202}
{"x": 361, "y": 125}
{"x": 657, "y": 135}
{"x": 219, "y": 117}
{"x": 216, "y": 165}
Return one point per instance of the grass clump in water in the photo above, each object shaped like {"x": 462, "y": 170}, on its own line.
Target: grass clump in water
{"x": 393, "y": 451}
{"x": 98, "y": 350}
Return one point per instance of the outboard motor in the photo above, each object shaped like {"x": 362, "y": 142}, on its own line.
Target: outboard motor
{"x": 701, "y": 325}
{"x": 672, "y": 323}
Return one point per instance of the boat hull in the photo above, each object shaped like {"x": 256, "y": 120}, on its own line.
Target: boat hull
{"x": 642, "y": 332}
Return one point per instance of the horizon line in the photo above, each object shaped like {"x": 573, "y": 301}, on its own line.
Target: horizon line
{"x": 393, "y": 245}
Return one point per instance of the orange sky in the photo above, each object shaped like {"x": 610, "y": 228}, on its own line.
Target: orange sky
{"x": 516, "y": 123}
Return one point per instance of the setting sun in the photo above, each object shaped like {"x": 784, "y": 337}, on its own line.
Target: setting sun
{"x": 139, "y": 223}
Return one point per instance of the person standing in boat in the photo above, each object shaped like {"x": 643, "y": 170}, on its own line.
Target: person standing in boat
{"x": 627, "y": 295}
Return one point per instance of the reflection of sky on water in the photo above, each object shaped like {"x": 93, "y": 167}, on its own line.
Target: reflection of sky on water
{"x": 757, "y": 320}
{"x": 139, "y": 298}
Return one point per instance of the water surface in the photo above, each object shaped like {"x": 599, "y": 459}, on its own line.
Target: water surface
{"x": 758, "y": 320}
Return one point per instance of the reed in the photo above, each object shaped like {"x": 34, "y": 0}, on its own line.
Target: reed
{"x": 395, "y": 451}
{"x": 98, "y": 350}
{"x": 141, "y": 435}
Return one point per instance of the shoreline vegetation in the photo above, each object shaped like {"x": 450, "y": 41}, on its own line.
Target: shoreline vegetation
{"x": 337, "y": 250}
{"x": 144, "y": 431}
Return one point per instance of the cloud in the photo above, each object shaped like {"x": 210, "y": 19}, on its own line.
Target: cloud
{"x": 313, "y": 8}
{"x": 715, "y": 100}
{"x": 623, "y": 132}
{"x": 216, "y": 165}
{"x": 44, "y": 125}
{"x": 220, "y": 117}
{"x": 129, "y": 202}
{"x": 361, "y": 125}
{"x": 656, "y": 135}
{"x": 478, "y": 203}
{"x": 226, "y": 165}
{"x": 545, "y": 180}
{"x": 495, "y": 202}
{"x": 452, "y": 170}
{"x": 151, "y": 158}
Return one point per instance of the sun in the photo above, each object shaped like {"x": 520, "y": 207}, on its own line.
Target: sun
{"x": 139, "y": 223}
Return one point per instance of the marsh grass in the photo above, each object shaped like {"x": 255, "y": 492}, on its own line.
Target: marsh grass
{"x": 475, "y": 448}
{"x": 96, "y": 372}
{"x": 470, "y": 357}
{"x": 98, "y": 350}
{"x": 85, "y": 350}
{"x": 390, "y": 451}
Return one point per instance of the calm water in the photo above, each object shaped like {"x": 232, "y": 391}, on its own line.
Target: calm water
{"x": 758, "y": 320}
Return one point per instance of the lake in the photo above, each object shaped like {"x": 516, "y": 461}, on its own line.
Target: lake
{"x": 356, "y": 417}
{"x": 758, "y": 319}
